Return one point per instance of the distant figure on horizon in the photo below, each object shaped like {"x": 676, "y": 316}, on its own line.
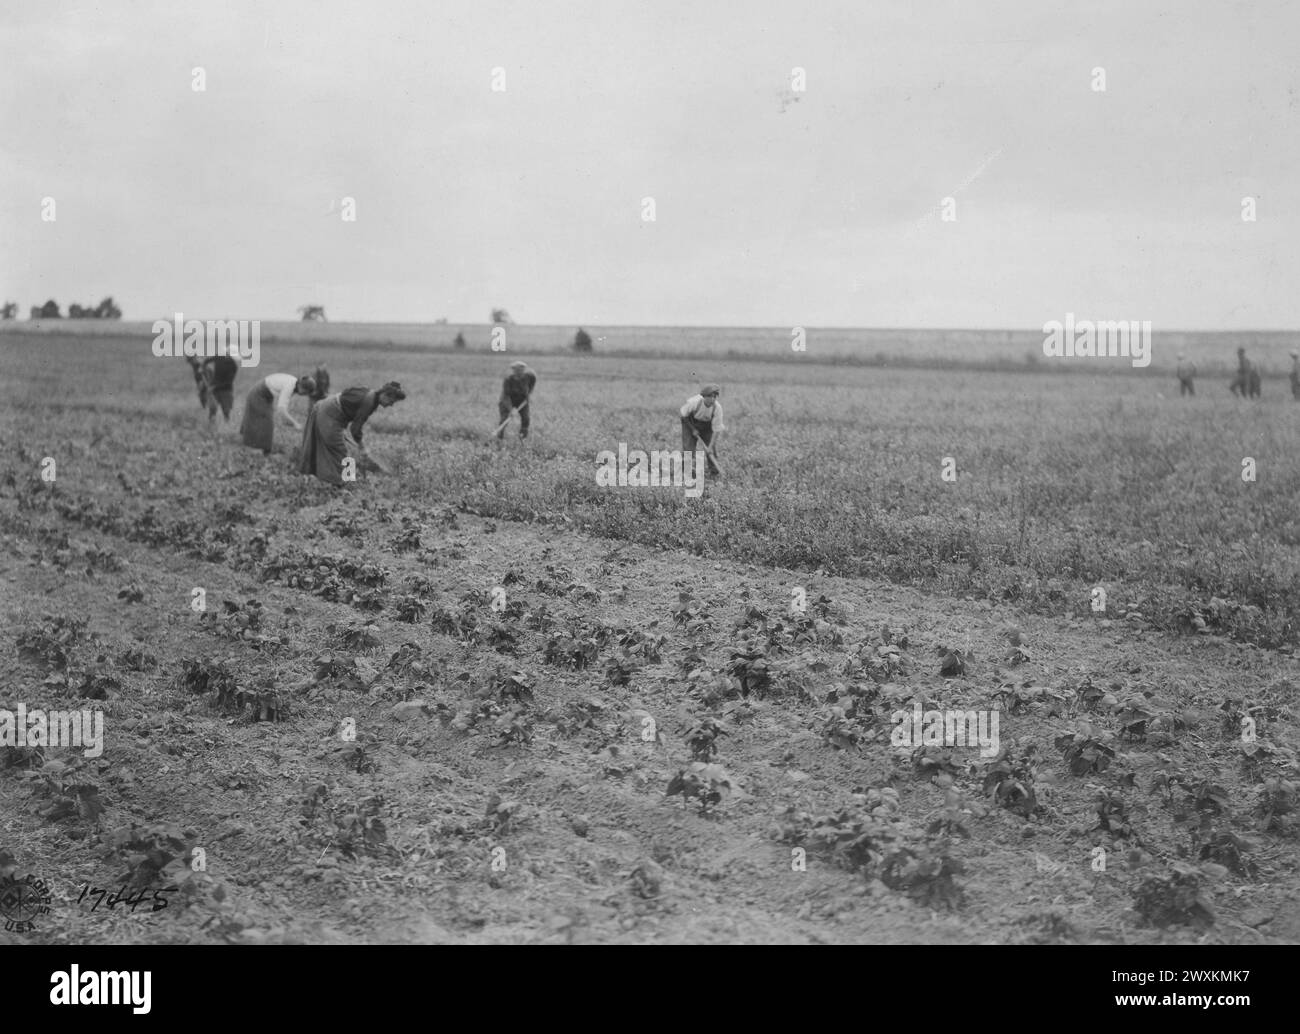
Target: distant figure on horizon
{"x": 1186, "y": 375}
{"x": 1246, "y": 383}
{"x": 1295, "y": 375}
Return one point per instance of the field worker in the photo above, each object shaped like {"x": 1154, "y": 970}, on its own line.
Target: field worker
{"x": 702, "y": 419}
{"x": 322, "y": 389}
{"x": 1186, "y": 375}
{"x": 1295, "y": 375}
{"x": 516, "y": 390}
{"x": 219, "y": 373}
{"x": 1247, "y": 380}
{"x": 199, "y": 381}
{"x": 267, "y": 401}
{"x": 334, "y": 429}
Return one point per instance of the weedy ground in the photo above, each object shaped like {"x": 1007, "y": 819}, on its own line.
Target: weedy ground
{"x": 636, "y": 739}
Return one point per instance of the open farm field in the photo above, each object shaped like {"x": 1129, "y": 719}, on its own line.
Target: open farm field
{"x": 1213, "y": 352}
{"x": 483, "y": 699}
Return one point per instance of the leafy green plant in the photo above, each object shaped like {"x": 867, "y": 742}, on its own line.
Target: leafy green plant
{"x": 643, "y": 646}
{"x": 514, "y": 687}
{"x": 1113, "y": 814}
{"x": 503, "y": 815}
{"x": 138, "y": 660}
{"x": 339, "y": 671}
{"x": 359, "y": 829}
{"x": 206, "y": 676}
{"x": 515, "y": 727}
{"x": 690, "y": 614}
{"x": 1011, "y": 783}
{"x": 844, "y": 730}
{"x": 1087, "y": 750}
{"x": 702, "y": 739}
{"x": 954, "y": 818}
{"x": 710, "y": 784}
{"x": 751, "y": 672}
{"x": 928, "y": 762}
{"x": 52, "y": 641}
{"x": 926, "y": 873}
{"x": 1277, "y": 806}
{"x": 620, "y": 669}
{"x": 569, "y": 650}
{"x": 1231, "y": 851}
{"x": 64, "y": 790}
{"x": 1176, "y": 897}
{"x": 151, "y": 852}
{"x": 409, "y": 608}
{"x": 954, "y": 663}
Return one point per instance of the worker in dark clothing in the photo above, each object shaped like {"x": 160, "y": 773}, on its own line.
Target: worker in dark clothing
{"x": 516, "y": 394}
{"x": 1295, "y": 375}
{"x": 219, "y": 373}
{"x": 1246, "y": 383}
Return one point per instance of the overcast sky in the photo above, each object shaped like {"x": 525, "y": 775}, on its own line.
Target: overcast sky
{"x": 772, "y": 207}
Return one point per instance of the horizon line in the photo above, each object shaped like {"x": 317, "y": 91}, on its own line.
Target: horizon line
{"x": 15, "y": 323}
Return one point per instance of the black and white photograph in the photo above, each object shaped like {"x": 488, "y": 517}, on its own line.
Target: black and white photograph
{"x": 682, "y": 473}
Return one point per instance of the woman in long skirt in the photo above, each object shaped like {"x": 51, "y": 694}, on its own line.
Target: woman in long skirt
{"x": 267, "y": 401}
{"x": 334, "y": 429}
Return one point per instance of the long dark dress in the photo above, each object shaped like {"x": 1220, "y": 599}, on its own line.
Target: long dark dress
{"x": 325, "y": 442}
{"x": 258, "y": 427}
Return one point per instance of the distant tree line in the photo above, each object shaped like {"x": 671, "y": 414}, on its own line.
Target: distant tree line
{"x": 105, "y": 310}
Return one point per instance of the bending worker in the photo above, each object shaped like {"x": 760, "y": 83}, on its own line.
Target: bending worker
{"x": 516, "y": 393}
{"x": 702, "y": 420}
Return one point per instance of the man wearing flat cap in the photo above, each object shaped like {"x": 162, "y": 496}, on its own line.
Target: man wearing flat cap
{"x": 702, "y": 419}
{"x": 516, "y": 393}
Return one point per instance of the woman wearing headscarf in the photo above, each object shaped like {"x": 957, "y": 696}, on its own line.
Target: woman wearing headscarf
{"x": 268, "y": 400}
{"x": 702, "y": 420}
{"x": 334, "y": 429}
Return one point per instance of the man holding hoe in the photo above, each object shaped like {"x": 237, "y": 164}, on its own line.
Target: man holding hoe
{"x": 516, "y": 392}
{"x": 701, "y": 420}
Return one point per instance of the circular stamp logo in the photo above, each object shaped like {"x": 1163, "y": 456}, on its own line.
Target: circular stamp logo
{"x": 22, "y": 901}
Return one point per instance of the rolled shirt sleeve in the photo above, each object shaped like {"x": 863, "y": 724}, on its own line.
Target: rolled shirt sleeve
{"x": 693, "y": 403}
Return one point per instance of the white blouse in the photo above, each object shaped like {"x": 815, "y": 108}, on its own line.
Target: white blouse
{"x": 696, "y": 408}
{"x": 281, "y": 386}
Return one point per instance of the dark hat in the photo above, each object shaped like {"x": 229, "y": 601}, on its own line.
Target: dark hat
{"x": 395, "y": 389}
{"x": 306, "y": 385}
